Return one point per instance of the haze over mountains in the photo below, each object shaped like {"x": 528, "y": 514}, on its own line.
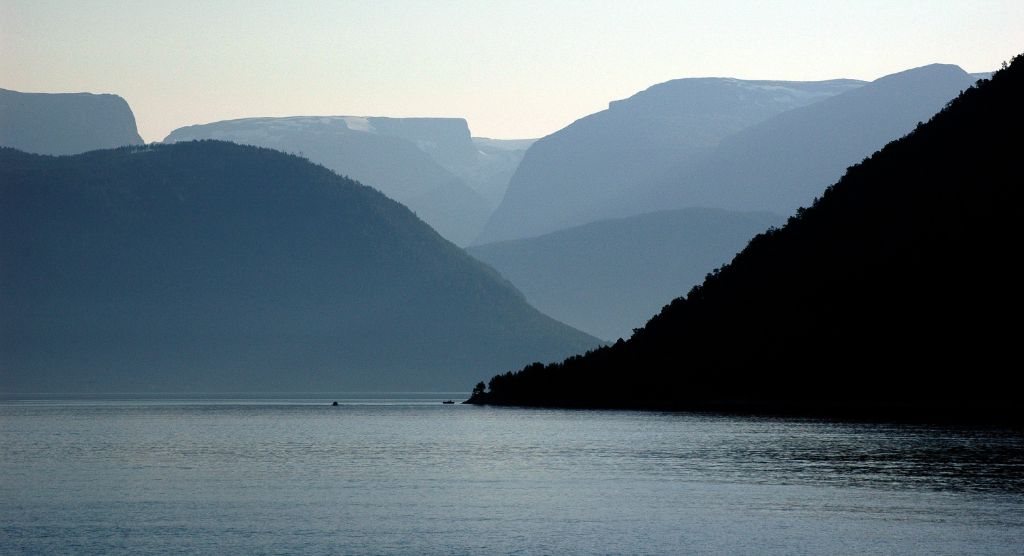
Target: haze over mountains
{"x": 119, "y": 266}
{"x": 572, "y": 176}
{"x": 721, "y": 143}
{"x": 498, "y": 160}
{"x": 897, "y": 290}
{"x": 65, "y": 123}
{"x": 608, "y": 277}
{"x": 783, "y": 162}
{"x": 208, "y": 266}
{"x": 432, "y": 165}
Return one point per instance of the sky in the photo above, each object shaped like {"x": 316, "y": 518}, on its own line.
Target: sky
{"x": 513, "y": 69}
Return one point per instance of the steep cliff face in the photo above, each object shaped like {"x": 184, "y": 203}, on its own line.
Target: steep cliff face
{"x": 65, "y": 123}
{"x": 446, "y": 140}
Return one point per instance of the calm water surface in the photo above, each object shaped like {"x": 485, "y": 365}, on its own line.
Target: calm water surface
{"x": 412, "y": 476}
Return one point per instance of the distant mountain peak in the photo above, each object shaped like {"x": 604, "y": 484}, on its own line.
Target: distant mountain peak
{"x": 930, "y": 71}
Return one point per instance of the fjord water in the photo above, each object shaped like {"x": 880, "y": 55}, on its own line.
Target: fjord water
{"x": 409, "y": 475}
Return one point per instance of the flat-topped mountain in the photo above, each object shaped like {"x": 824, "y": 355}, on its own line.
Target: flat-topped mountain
{"x": 65, "y": 123}
{"x": 209, "y": 266}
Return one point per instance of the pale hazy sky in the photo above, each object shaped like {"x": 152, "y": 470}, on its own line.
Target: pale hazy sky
{"x": 513, "y": 69}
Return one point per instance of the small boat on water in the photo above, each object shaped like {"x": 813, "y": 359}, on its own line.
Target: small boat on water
{"x": 448, "y": 402}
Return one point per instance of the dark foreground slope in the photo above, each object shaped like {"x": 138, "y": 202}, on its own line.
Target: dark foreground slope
{"x": 212, "y": 266}
{"x": 899, "y": 289}
{"x": 65, "y": 123}
{"x": 609, "y": 277}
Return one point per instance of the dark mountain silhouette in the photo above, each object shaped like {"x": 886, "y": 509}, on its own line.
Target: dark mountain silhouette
{"x": 784, "y": 162}
{"x": 423, "y": 163}
{"x": 577, "y": 174}
{"x": 65, "y": 123}
{"x": 897, "y": 290}
{"x": 209, "y": 266}
{"x": 609, "y": 277}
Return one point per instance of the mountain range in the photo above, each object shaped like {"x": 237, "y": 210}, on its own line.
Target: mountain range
{"x": 718, "y": 143}
{"x": 572, "y": 176}
{"x": 152, "y": 268}
{"x": 210, "y": 266}
{"x": 783, "y": 163}
{"x": 896, "y": 292}
{"x": 431, "y": 165}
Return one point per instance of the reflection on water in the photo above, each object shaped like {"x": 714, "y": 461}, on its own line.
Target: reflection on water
{"x": 405, "y": 474}
{"x": 883, "y": 456}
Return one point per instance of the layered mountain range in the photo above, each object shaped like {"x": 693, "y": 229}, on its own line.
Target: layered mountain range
{"x": 210, "y": 266}
{"x": 782, "y": 163}
{"x": 183, "y": 267}
{"x": 431, "y": 165}
{"x": 892, "y": 294}
{"x": 718, "y": 143}
{"x": 577, "y": 174}
{"x": 609, "y": 277}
